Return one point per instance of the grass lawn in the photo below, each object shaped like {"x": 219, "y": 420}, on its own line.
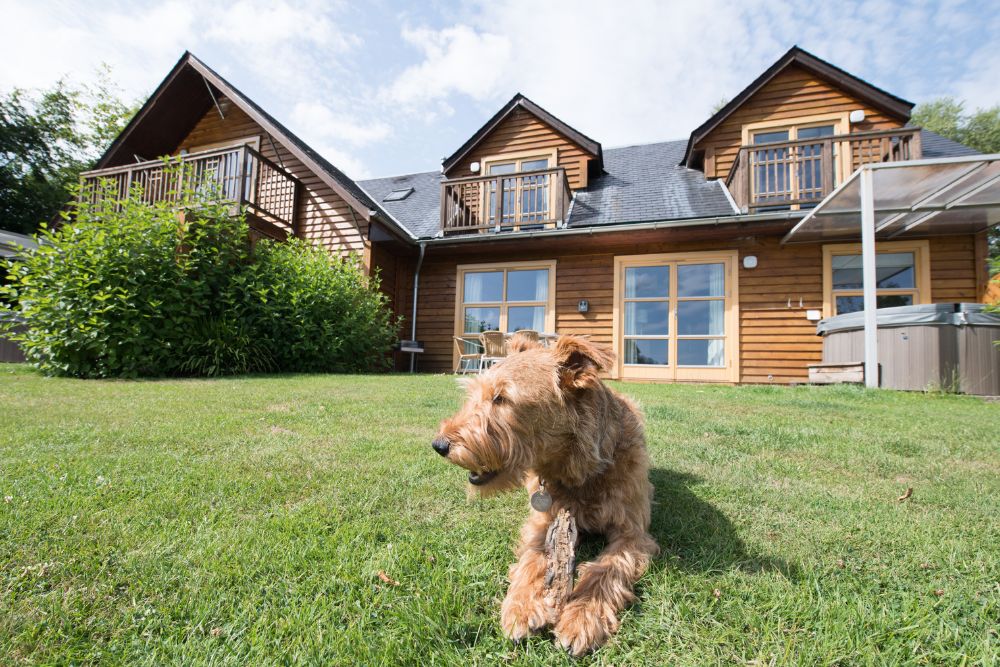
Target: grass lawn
{"x": 245, "y": 521}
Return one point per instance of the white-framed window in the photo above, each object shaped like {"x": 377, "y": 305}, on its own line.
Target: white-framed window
{"x": 902, "y": 276}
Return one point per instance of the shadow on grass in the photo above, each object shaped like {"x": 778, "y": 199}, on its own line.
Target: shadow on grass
{"x": 695, "y": 536}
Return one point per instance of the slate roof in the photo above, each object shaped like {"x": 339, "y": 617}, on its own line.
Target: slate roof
{"x": 639, "y": 184}
{"x": 645, "y": 183}
{"x": 420, "y": 213}
{"x": 934, "y": 145}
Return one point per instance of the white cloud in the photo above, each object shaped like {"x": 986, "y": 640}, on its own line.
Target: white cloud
{"x": 317, "y": 118}
{"x": 641, "y": 70}
{"x": 456, "y": 60}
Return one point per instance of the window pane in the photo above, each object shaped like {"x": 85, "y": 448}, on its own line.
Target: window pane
{"x": 505, "y": 168}
{"x": 893, "y": 270}
{"x": 701, "y": 280}
{"x": 646, "y": 318}
{"x": 525, "y": 317}
{"x": 650, "y": 352}
{"x": 700, "y": 352}
{"x": 813, "y": 132}
{"x": 701, "y": 318}
{"x": 853, "y": 304}
{"x": 481, "y": 319}
{"x": 647, "y": 281}
{"x": 486, "y": 287}
{"x": 528, "y": 285}
{"x": 533, "y": 165}
{"x": 768, "y": 137}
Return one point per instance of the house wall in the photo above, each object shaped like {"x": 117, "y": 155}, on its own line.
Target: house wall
{"x": 776, "y": 341}
{"x": 522, "y": 132}
{"x": 793, "y": 93}
{"x": 323, "y": 216}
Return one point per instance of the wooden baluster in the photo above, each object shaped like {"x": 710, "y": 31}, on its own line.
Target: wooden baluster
{"x": 499, "y": 202}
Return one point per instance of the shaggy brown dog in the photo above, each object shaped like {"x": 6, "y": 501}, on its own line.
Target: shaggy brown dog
{"x": 544, "y": 416}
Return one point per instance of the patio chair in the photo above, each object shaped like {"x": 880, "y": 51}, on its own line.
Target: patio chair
{"x": 530, "y": 334}
{"x": 494, "y": 348}
{"x": 468, "y": 362}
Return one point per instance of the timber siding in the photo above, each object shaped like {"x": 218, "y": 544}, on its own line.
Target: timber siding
{"x": 792, "y": 94}
{"x": 522, "y": 132}
{"x": 322, "y": 215}
{"x": 776, "y": 341}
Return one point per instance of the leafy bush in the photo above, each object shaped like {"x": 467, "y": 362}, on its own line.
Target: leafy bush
{"x": 131, "y": 289}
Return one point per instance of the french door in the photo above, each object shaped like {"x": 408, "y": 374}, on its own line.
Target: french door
{"x": 525, "y": 199}
{"x": 676, "y": 317}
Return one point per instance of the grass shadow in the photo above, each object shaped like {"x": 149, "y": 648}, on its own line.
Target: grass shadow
{"x": 696, "y": 536}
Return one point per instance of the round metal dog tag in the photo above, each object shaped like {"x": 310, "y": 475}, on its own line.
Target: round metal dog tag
{"x": 541, "y": 501}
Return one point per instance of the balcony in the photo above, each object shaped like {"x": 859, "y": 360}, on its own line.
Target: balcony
{"x": 792, "y": 175}
{"x": 263, "y": 189}
{"x": 505, "y": 202}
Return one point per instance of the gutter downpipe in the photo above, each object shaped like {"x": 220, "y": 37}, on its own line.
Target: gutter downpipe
{"x": 416, "y": 291}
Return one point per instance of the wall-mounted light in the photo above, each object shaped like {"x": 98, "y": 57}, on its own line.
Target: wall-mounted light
{"x": 750, "y": 262}
{"x": 474, "y": 167}
{"x": 583, "y": 306}
{"x": 857, "y": 116}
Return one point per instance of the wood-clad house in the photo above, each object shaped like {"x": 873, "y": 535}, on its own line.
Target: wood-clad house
{"x": 674, "y": 253}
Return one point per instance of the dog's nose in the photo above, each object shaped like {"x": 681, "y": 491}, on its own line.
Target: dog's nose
{"x": 441, "y": 446}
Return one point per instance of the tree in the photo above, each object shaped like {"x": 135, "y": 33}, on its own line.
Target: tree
{"x": 979, "y": 130}
{"x": 46, "y": 139}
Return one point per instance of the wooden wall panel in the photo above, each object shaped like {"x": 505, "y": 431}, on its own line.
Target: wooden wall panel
{"x": 521, "y": 131}
{"x": 323, "y": 216}
{"x": 792, "y": 93}
{"x": 777, "y": 342}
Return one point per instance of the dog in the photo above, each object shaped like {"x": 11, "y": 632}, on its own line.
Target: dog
{"x": 542, "y": 419}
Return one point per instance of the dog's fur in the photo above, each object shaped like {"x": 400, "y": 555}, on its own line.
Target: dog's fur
{"x": 543, "y": 413}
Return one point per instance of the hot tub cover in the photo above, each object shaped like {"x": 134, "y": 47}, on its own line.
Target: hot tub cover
{"x": 941, "y": 314}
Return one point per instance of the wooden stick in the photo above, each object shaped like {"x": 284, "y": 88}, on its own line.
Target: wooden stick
{"x": 560, "y": 554}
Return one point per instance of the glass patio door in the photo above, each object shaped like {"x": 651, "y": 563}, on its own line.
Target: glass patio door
{"x": 525, "y": 199}
{"x": 677, "y": 317}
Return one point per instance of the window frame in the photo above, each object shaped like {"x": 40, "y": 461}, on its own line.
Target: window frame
{"x": 672, "y": 371}
{"x": 503, "y": 304}
{"x": 921, "y": 291}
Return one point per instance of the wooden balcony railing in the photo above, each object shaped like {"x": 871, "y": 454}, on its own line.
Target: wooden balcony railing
{"x": 238, "y": 174}
{"x": 505, "y": 202}
{"x": 797, "y": 174}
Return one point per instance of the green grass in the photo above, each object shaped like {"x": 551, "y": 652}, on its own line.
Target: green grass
{"x": 244, "y": 521}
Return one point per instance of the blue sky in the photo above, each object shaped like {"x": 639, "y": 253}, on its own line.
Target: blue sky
{"x": 383, "y": 88}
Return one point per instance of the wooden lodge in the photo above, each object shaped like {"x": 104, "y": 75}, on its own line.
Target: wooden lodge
{"x": 675, "y": 253}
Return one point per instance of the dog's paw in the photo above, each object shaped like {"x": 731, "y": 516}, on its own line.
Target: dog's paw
{"x": 585, "y": 626}
{"x": 523, "y": 613}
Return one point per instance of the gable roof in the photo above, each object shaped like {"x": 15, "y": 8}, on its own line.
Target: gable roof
{"x": 861, "y": 89}
{"x": 189, "y": 84}
{"x": 519, "y": 101}
{"x": 639, "y": 184}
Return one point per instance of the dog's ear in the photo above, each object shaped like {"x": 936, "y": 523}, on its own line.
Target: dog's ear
{"x": 581, "y": 361}
{"x": 520, "y": 342}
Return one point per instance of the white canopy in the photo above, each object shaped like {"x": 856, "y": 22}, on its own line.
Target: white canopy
{"x": 893, "y": 200}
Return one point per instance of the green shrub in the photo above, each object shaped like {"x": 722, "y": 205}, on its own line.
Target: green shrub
{"x": 130, "y": 289}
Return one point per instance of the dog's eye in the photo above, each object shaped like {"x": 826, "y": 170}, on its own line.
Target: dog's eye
{"x": 499, "y": 399}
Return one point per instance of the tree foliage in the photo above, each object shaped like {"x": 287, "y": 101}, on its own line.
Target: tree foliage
{"x": 129, "y": 289}
{"x": 46, "y": 139}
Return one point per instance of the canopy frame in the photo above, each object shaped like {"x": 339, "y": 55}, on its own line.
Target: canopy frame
{"x": 953, "y": 195}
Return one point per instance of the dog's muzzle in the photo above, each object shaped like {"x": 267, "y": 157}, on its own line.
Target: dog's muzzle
{"x": 480, "y": 478}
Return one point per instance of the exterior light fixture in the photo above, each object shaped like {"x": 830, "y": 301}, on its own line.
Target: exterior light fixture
{"x": 857, "y": 116}
{"x": 583, "y": 306}
{"x": 474, "y": 167}
{"x": 750, "y": 262}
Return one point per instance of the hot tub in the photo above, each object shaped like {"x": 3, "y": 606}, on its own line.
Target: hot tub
{"x": 947, "y": 346}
